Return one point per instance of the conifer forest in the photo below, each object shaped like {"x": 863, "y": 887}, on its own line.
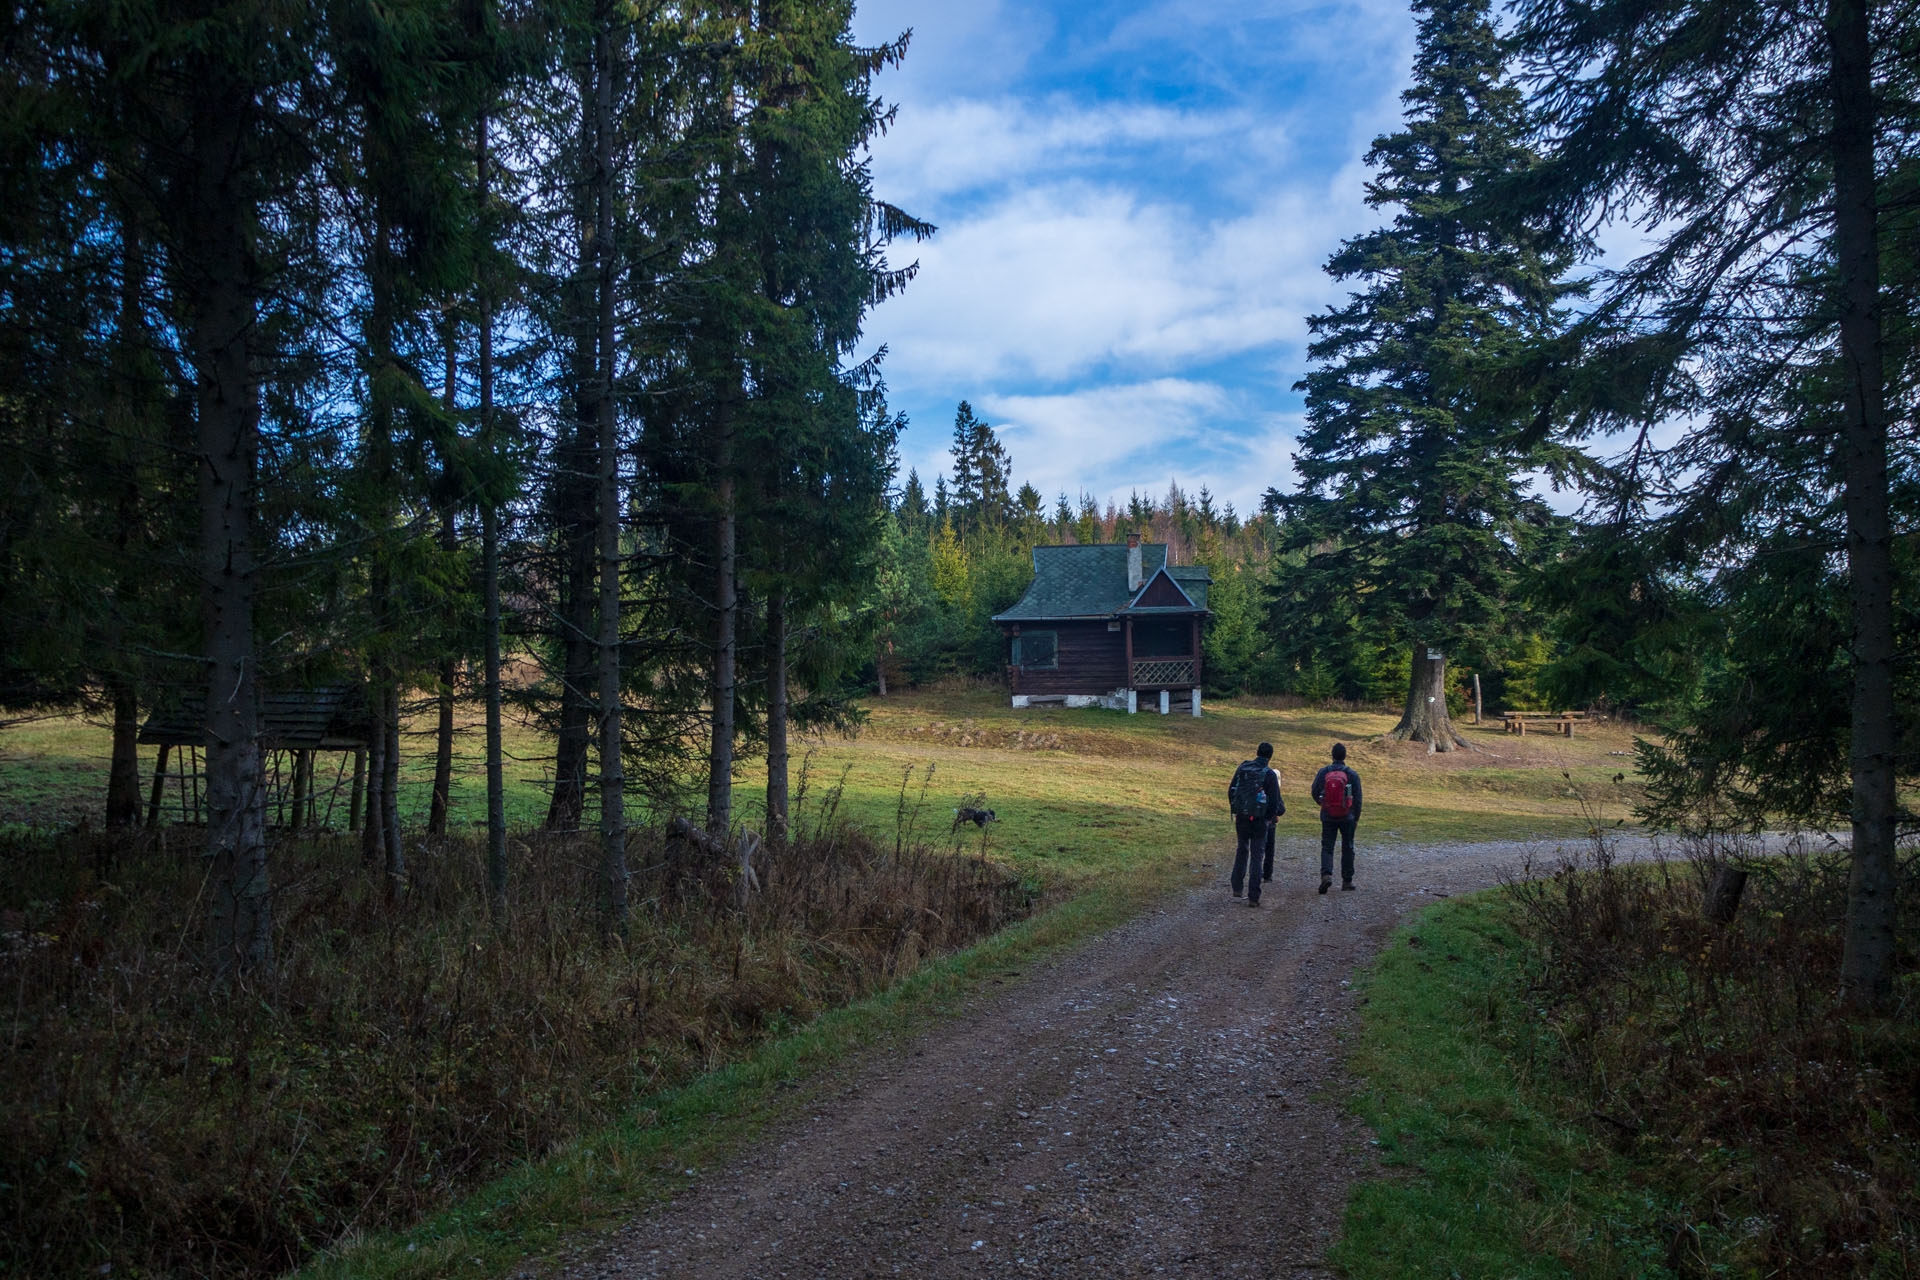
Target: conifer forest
{"x": 499, "y": 388}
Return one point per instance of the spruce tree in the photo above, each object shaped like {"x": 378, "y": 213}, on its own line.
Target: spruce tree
{"x": 1770, "y": 146}
{"x": 1411, "y": 503}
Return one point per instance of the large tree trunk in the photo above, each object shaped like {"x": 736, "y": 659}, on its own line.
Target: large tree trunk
{"x": 1866, "y": 969}
{"x": 613, "y": 822}
{"x": 443, "y": 731}
{"x": 449, "y": 541}
{"x": 725, "y": 630}
{"x": 490, "y": 590}
{"x": 777, "y": 717}
{"x": 390, "y": 800}
{"x": 220, "y": 308}
{"x": 373, "y": 828}
{"x": 123, "y": 773}
{"x": 1425, "y": 718}
{"x": 568, "y": 802}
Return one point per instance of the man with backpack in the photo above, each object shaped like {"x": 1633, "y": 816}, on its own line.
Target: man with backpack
{"x": 1254, "y": 799}
{"x": 1337, "y": 788}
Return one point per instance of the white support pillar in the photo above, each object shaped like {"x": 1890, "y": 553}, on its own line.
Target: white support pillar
{"x": 1166, "y": 702}
{"x": 1133, "y": 702}
{"x": 1196, "y": 700}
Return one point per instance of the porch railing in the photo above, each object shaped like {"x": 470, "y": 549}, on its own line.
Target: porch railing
{"x": 1148, "y": 672}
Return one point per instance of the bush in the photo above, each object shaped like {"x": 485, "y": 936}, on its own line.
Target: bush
{"x": 1720, "y": 1055}
{"x": 394, "y": 1056}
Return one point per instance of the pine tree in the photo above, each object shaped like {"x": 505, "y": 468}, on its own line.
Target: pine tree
{"x": 1410, "y": 500}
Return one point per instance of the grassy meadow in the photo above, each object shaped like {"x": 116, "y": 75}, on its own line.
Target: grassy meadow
{"x": 1078, "y": 792}
{"x": 509, "y": 1086}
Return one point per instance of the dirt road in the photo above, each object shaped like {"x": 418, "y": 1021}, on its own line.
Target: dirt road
{"x": 1162, "y": 1101}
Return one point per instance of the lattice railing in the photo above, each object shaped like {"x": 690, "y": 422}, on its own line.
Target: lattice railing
{"x": 1156, "y": 671}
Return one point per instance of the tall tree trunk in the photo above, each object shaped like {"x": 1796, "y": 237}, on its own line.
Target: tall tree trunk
{"x": 123, "y": 773}
{"x": 880, "y": 667}
{"x": 1866, "y": 968}
{"x": 220, "y": 308}
{"x": 390, "y": 800}
{"x": 1425, "y": 718}
{"x": 578, "y": 547}
{"x": 777, "y": 717}
{"x": 725, "y": 631}
{"x": 443, "y": 730}
{"x": 356, "y": 794}
{"x": 613, "y": 822}
{"x": 449, "y": 541}
{"x": 490, "y": 589}
{"x": 373, "y": 827}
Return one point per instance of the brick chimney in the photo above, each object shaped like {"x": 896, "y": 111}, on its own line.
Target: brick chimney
{"x": 1135, "y": 575}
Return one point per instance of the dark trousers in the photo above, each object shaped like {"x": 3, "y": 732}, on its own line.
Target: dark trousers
{"x": 1342, "y": 827}
{"x": 1267, "y": 874}
{"x": 1246, "y": 857}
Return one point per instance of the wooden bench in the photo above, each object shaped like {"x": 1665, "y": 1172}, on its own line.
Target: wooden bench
{"x": 1563, "y": 721}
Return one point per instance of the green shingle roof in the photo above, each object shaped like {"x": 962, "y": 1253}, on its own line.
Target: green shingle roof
{"x": 1091, "y": 582}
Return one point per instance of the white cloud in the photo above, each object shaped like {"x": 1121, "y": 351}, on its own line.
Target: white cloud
{"x": 1064, "y": 282}
{"x": 1114, "y": 439}
{"x": 967, "y": 144}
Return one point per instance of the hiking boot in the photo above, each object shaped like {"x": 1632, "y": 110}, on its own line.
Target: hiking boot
{"x": 1347, "y": 887}
{"x": 1236, "y": 893}
{"x": 1253, "y": 902}
{"x": 1326, "y": 883}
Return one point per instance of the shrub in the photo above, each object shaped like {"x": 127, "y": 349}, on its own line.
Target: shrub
{"x": 394, "y": 1056}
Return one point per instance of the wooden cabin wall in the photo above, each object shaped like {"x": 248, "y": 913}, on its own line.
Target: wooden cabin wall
{"x": 1092, "y": 659}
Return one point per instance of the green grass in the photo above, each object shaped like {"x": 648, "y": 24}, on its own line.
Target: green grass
{"x": 1489, "y": 1174}
{"x": 1109, "y": 810}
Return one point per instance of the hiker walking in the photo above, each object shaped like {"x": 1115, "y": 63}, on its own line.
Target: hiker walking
{"x": 1254, "y": 799}
{"x": 1337, "y": 788}
{"x": 1273, "y": 824}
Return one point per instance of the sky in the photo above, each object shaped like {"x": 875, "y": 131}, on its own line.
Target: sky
{"x": 1135, "y": 201}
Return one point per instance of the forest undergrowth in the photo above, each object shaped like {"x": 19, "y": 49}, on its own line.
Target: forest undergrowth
{"x": 397, "y": 1054}
{"x": 1783, "y": 1133}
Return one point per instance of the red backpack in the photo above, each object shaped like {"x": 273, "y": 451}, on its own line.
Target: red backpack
{"x": 1334, "y": 800}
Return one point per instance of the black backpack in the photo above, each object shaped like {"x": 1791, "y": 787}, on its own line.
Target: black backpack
{"x": 1247, "y": 794}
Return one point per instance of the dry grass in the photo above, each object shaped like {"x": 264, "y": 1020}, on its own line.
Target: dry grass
{"x": 396, "y": 1056}
{"x": 1717, "y": 1057}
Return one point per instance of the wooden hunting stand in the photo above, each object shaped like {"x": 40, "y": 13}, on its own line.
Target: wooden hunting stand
{"x": 296, "y": 725}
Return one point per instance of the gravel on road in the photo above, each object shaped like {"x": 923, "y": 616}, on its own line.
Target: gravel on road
{"x": 1167, "y": 1099}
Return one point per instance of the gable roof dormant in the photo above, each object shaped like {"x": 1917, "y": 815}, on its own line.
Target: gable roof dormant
{"x": 1090, "y": 582}
{"x": 1161, "y": 593}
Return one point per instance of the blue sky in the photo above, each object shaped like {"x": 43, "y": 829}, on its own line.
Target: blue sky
{"x": 1135, "y": 204}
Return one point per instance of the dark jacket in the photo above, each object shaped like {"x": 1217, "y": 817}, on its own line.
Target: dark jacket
{"x": 1353, "y": 785}
{"x": 1275, "y": 805}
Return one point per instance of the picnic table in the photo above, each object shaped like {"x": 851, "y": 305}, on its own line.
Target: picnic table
{"x": 1562, "y": 721}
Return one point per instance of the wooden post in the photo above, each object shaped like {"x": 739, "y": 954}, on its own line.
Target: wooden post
{"x": 1723, "y": 893}
{"x": 1195, "y": 624}
{"x": 1476, "y": 697}
{"x": 1128, "y": 625}
{"x": 159, "y": 785}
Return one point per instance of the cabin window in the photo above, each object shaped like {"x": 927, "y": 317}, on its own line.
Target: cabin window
{"x": 1036, "y": 650}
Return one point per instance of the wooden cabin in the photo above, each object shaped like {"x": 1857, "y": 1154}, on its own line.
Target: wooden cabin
{"x": 1104, "y": 624}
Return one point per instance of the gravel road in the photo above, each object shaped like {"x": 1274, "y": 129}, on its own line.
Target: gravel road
{"x": 1165, "y": 1099}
